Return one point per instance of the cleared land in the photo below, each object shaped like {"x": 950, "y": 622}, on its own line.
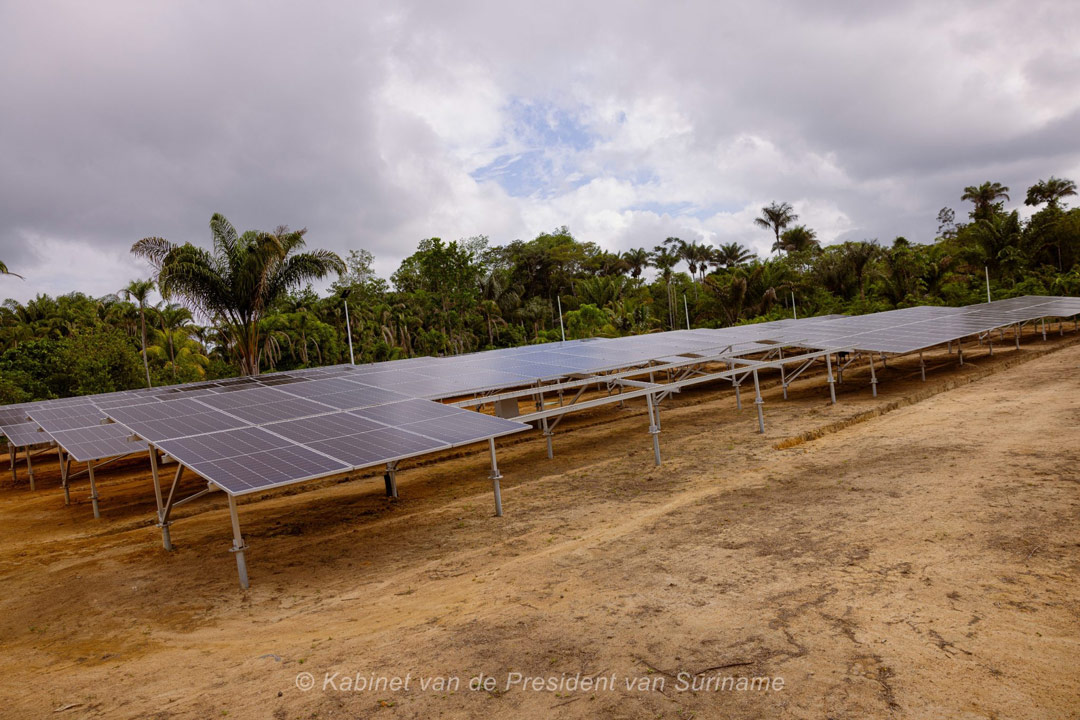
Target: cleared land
{"x": 919, "y": 558}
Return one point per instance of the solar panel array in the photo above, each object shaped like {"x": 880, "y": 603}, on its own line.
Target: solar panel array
{"x": 251, "y": 433}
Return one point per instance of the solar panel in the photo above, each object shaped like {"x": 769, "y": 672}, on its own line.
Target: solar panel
{"x": 24, "y": 434}
{"x": 375, "y": 447}
{"x": 54, "y": 422}
{"x": 13, "y": 414}
{"x": 409, "y": 411}
{"x": 285, "y": 409}
{"x": 98, "y": 442}
{"x": 174, "y": 419}
{"x": 323, "y": 427}
{"x": 466, "y": 427}
{"x": 250, "y": 459}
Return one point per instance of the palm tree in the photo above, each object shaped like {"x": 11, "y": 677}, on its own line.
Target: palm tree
{"x": 139, "y": 291}
{"x": 776, "y": 217}
{"x": 174, "y": 319}
{"x": 731, "y": 255}
{"x": 799, "y": 238}
{"x": 985, "y": 197}
{"x": 637, "y": 259}
{"x": 1050, "y": 191}
{"x": 665, "y": 261}
{"x": 859, "y": 256}
{"x": 5, "y": 271}
{"x": 239, "y": 280}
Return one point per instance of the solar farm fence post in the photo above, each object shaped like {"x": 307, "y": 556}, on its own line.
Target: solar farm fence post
{"x": 654, "y": 427}
{"x": 93, "y": 488}
{"x": 828, "y": 369}
{"x": 238, "y": 546}
{"x": 759, "y": 402}
{"x": 495, "y": 477}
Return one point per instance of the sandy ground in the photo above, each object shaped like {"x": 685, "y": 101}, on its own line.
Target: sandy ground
{"x": 914, "y": 555}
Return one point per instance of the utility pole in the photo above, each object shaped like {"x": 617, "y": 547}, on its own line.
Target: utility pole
{"x": 687, "y": 309}
{"x": 987, "y": 269}
{"x": 562, "y": 330}
{"x": 793, "y": 310}
{"x": 348, "y": 331}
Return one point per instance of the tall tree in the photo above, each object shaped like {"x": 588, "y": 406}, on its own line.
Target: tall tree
{"x": 239, "y": 280}
{"x": 985, "y": 198}
{"x": 637, "y": 259}
{"x": 139, "y": 291}
{"x": 731, "y": 255}
{"x": 799, "y": 238}
{"x": 4, "y": 271}
{"x": 1050, "y": 191}
{"x": 776, "y": 217}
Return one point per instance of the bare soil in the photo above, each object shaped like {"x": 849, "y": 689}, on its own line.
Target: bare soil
{"x": 912, "y": 555}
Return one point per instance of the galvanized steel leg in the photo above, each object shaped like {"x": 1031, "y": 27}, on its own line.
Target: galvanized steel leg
{"x": 1017, "y": 336}
{"x": 960, "y": 352}
{"x": 93, "y": 488}
{"x": 11, "y": 454}
{"x": 922, "y": 366}
{"x": 495, "y": 476}
{"x": 1043, "y": 321}
{"x": 828, "y": 369}
{"x": 166, "y": 540}
{"x": 759, "y": 402}
{"x": 238, "y": 545}
{"x": 873, "y": 377}
{"x": 738, "y": 396}
{"x": 783, "y": 375}
{"x": 30, "y": 467}
{"x": 391, "y": 480}
{"x": 547, "y": 437}
{"x": 654, "y": 427}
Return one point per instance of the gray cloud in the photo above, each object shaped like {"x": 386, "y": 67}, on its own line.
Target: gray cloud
{"x": 367, "y": 122}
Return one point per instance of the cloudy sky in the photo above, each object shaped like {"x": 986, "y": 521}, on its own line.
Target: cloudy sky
{"x": 375, "y": 125}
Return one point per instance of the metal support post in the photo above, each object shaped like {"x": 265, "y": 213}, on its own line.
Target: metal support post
{"x": 828, "y": 369}
{"x": 391, "y": 480}
{"x": 783, "y": 377}
{"x": 495, "y": 476}
{"x": 238, "y": 545}
{"x": 547, "y": 437}
{"x": 654, "y": 427}
{"x": 949, "y": 348}
{"x": 1017, "y": 336}
{"x": 873, "y": 377}
{"x": 93, "y": 488}
{"x": 960, "y": 351}
{"x": 1043, "y": 321}
{"x": 30, "y": 467}
{"x": 738, "y": 396}
{"x": 11, "y": 455}
{"x": 759, "y": 402}
{"x": 922, "y": 366}
{"x": 166, "y": 541}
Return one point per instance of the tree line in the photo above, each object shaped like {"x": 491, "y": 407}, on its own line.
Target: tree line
{"x": 246, "y": 305}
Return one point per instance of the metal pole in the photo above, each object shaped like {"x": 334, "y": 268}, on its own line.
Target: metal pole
{"x": 11, "y": 454}
{"x": 828, "y": 368}
{"x": 922, "y": 366}
{"x": 495, "y": 476}
{"x": 686, "y": 308}
{"x": 348, "y": 331}
{"x": 873, "y": 377}
{"x": 783, "y": 378}
{"x": 93, "y": 488}
{"x": 391, "y": 480}
{"x": 1017, "y": 336}
{"x": 562, "y": 330}
{"x": 166, "y": 540}
{"x": 30, "y": 467}
{"x": 238, "y": 546}
{"x": 987, "y": 269}
{"x": 738, "y": 397}
{"x": 759, "y": 402}
{"x": 793, "y": 310}
{"x": 654, "y": 429}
